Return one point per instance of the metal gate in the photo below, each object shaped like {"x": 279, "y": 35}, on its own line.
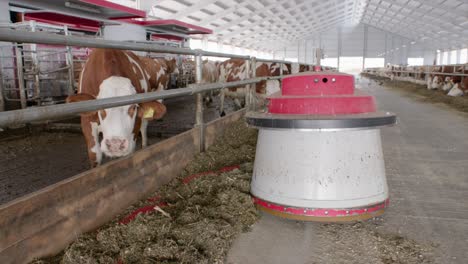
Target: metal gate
{"x": 36, "y": 74}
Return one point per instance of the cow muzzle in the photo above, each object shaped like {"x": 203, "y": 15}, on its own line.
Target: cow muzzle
{"x": 116, "y": 146}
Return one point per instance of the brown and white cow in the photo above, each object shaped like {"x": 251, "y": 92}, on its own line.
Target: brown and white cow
{"x": 112, "y": 73}
{"x": 160, "y": 71}
{"x": 275, "y": 71}
{"x": 434, "y": 80}
{"x": 265, "y": 88}
{"x": 210, "y": 74}
{"x": 230, "y": 71}
{"x": 235, "y": 70}
{"x": 171, "y": 69}
{"x": 304, "y": 68}
{"x": 456, "y": 85}
{"x": 443, "y": 81}
{"x": 420, "y": 73}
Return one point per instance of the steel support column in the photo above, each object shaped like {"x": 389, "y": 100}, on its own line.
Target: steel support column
{"x": 199, "y": 102}
{"x": 20, "y": 76}
{"x": 339, "y": 49}
{"x": 386, "y": 50}
{"x": 364, "y": 49}
{"x": 69, "y": 62}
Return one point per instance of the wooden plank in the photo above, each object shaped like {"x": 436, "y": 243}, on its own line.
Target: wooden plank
{"x": 45, "y": 222}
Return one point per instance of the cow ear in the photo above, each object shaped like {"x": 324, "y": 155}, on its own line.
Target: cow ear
{"x": 151, "y": 110}
{"x": 79, "y": 97}
{"x": 83, "y": 97}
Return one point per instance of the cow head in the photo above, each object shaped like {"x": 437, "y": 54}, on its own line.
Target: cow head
{"x": 448, "y": 83}
{"x": 119, "y": 125}
{"x": 456, "y": 90}
{"x": 437, "y": 82}
{"x": 172, "y": 66}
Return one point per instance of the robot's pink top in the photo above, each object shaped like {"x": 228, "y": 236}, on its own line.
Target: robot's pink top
{"x": 320, "y": 93}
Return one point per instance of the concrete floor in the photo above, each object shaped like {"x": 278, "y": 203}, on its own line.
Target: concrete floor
{"x": 426, "y": 158}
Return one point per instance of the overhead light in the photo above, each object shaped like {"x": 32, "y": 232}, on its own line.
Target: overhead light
{"x": 438, "y": 51}
{"x": 404, "y": 46}
{"x": 413, "y": 42}
{"x": 82, "y": 7}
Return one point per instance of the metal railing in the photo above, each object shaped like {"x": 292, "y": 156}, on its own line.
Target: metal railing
{"x": 53, "y": 39}
{"x": 428, "y": 72}
{"x": 53, "y": 112}
{"x": 60, "y": 111}
{"x": 37, "y": 68}
{"x": 417, "y": 69}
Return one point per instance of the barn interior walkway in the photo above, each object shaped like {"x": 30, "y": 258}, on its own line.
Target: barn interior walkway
{"x": 427, "y": 171}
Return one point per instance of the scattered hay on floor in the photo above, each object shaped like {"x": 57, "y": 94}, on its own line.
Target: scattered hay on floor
{"x": 364, "y": 242}
{"x": 433, "y": 96}
{"x": 236, "y": 146}
{"x": 194, "y": 222}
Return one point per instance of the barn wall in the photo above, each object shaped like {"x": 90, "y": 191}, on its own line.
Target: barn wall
{"x": 125, "y": 32}
{"x": 376, "y": 43}
{"x": 45, "y": 222}
{"x": 352, "y": 39}
{"x": 355, "y": 43}
{"x": 302, "y": 51}
{"x": 429, "y": 56}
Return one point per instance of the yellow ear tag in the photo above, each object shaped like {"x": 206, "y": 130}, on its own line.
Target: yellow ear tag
{"x": 148, "y": 113}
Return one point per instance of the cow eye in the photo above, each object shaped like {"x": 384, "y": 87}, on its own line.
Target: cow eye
{"x": 131, "y": 110}
{"x": 102, "y": 113}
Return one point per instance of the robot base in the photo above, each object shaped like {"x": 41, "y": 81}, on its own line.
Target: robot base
{"x": 320, "y": 214}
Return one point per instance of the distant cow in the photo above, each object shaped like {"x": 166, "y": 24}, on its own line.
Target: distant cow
{"x": 275, "y": 71}
{"x": 171, "y": 69}
{"x": 456, "y": 85}
{"x": 112, "y": 73}
{"x": 265, "y": 88}
{"x": 304, "y": 68}
{"x": 420, "y": 72}
{"x": 445, "y": 81}
{"x": 235, "y": 70}
{"x": 434, "y": 80}
{"x": 210, "y": 74}
{"x": 230, "y": 71}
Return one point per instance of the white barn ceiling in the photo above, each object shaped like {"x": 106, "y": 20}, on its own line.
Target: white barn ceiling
{"x": 275, "y": 24}
{"x": 261, "y": 24}
{"x": 441, "y": 23}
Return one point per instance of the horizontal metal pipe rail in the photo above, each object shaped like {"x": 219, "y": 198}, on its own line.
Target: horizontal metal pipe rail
{"x": 46, "y": 113}
{"x": 55, "y": 70}
{"x": 276, "y": 61}
{"x": 54, "y": 39}
{"x": 54, "y": 112}
{"x": 435, "y": 73}
{"x": 423, "y": 66}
